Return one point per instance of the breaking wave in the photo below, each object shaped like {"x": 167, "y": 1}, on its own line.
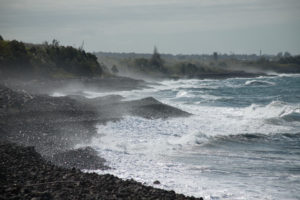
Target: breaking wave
{"x": 242, "y": 141}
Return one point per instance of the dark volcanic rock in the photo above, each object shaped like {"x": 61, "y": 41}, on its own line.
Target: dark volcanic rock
{"x": 56, "y": 124}
{"x": 25, "y": 175}
{"x": 115, "y": 108}
{"x": 152, "y": 109}
{"x": 82, "y": 158}
{"x": 12, "y": 100}
{"x": 74, "y": 85}
{"x": 98, "y": 102}
{"x": 51, "y": 124}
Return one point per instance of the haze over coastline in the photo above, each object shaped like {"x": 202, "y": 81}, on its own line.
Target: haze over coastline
{"x": 162, "y": 99}
{"x": 174, "y": 26}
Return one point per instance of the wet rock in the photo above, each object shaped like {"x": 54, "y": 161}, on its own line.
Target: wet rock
{"x": 152, "y": 109}
{"x": 74, "y": 85}
{"x": 67, "y": 184}
{"x": 51, "y": 124}
{"x": 82, "y": 158}
{"x": 12, "y": 101}
{"x": 54, "y": 125}
{"x": 57, "y": 124}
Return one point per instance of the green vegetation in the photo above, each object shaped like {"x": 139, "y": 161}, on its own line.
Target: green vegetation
{"x": 290, "y": 60}
{"x": 214, "y": 65}
{"x": 56, "y": 61}
{"x": 193, "y": 70}
{"x": 286, "y": 64}
{"x": 155, "y": 66}
{"x": 47, "y": 60}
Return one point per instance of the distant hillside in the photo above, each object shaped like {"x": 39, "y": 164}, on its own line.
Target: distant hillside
{"x": 46, "y": 60}
{"x": 197, "y": 66}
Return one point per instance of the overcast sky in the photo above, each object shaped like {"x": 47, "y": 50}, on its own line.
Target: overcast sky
{"x": 174, "y": 26}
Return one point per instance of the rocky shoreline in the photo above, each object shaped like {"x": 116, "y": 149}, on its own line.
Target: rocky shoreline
{"x": 26, "y": 175}
{"x": 38, "y": 134}
{"x": 72, "y": 85}
{"x": 57, "y": 124}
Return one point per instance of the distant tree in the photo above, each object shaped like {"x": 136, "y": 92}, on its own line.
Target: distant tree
{"x": 279, "y": 55}
{"x": 215, "y": 56}
{"x": 14, "y": 56}
{"x": 156, "y": 60}
{"x": 55, "y": 43}
{"x": 290, "y": 60}
{"x": 80, "y": 48}
{"x": 1, "y": 38}
{"x": 45, "y": 43}
{"x": 33, "y": 50}
{"x": 18, "y": 49}
{"x": 188, "y": 69}
{"x": 114, "y": 69}
{"x": 47, "y": 59}
{"x": 141, "y": 62}
{"x": 223, "y": 64}
{"x": 262, "y": 60}
{"x": 287, "y": 54}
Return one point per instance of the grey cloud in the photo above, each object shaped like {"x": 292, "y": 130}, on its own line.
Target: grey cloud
{"x": 133, "y": 22}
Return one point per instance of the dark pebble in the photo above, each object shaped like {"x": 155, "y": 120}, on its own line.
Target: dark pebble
{"x": 52, "y": 182}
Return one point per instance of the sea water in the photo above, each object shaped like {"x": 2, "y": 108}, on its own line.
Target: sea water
{"x": 242, "y": 141}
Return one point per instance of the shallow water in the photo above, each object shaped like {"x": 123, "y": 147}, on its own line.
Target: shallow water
{"x": 242, "y": 142}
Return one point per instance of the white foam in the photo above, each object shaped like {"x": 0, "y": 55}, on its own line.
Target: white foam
{"x": 259, "y": 82}
{"x": 183, "y": 93}
{"x": 58, "y": 94}
{"x": 144, "y": 149}
{"x": 164, "y": 150}
{"x": 288, "y": 75}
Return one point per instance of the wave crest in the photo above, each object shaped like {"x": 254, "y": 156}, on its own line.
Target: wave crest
{"x": 259, "y": 83}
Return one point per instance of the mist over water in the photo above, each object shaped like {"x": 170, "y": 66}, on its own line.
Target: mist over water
{"x": 242, "y": 141}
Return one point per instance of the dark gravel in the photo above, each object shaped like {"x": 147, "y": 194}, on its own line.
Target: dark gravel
{"x": 25, "y": 175}
{"x": 72, "y": 85}
{"x": 82, "y": 158}
{"x": 51, "y": 124}
{"x": 115, "y": 107}
{"x": 54, "y": 125}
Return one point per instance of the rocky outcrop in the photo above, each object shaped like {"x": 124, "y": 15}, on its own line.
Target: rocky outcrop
{"x": 115, "y": 107}
{"x": 152, "y": 109}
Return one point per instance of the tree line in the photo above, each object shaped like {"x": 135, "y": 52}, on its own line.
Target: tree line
{"x": 47, "y": 59}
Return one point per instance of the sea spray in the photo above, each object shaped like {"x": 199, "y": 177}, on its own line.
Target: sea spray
{"x": 242, "y": 141}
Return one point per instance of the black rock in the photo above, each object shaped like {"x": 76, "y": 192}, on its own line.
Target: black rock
{"x": 82, "y": 158}
{"x": 156, "y": 182}
{"x": 29, "y": 176}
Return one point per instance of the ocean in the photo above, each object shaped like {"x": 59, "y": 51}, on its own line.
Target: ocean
{"x": 242, "y": 141}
